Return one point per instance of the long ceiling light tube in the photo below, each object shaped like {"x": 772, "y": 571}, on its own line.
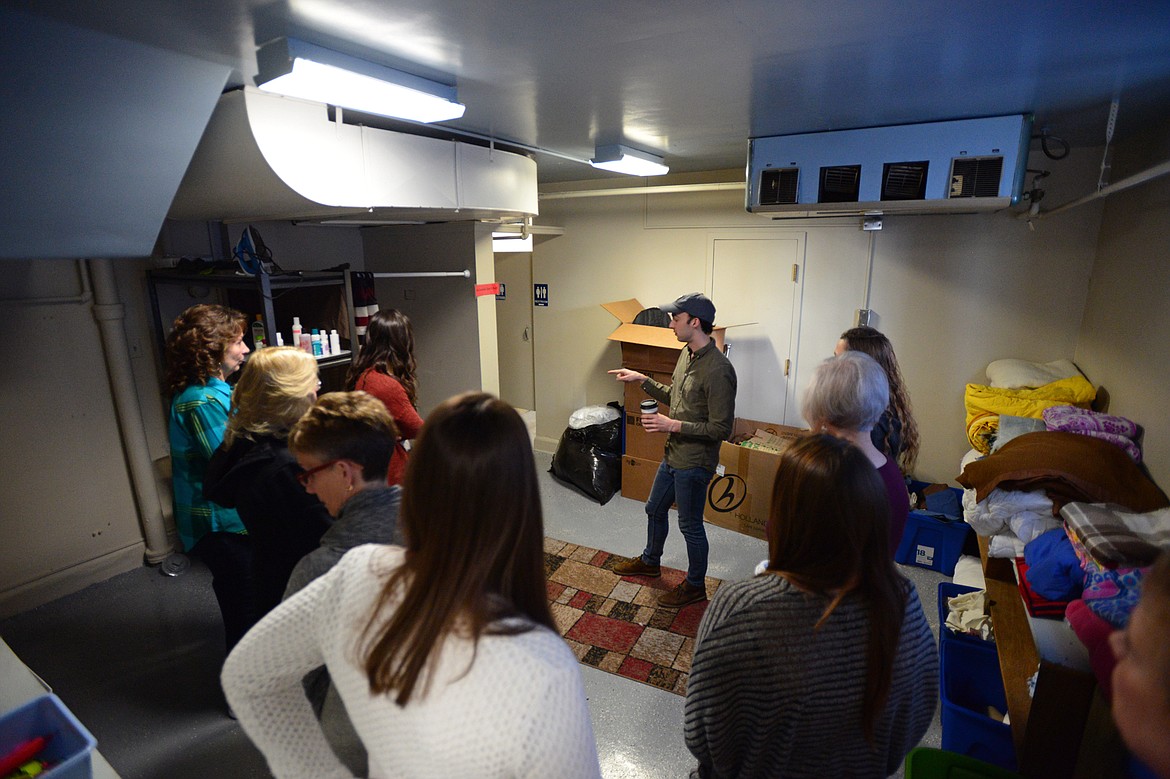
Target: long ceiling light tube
{"x": 290, "y": 66}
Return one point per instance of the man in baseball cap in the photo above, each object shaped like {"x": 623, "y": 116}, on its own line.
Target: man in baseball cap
{"x": 701, "y": 399}
{"x": 696, "y": 304}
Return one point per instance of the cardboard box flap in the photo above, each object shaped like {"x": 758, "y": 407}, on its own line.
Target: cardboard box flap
{"x": 624, "y": 310}
{"x": 647, "y": 336}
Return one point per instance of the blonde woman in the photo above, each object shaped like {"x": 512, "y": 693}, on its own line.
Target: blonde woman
{"x": 254, "y": 472}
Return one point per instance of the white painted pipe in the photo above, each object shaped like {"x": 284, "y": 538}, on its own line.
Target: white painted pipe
{"x": 1125, "y": 183}
{"x": 111, "y": 316}
{"x": 664, "y": 189}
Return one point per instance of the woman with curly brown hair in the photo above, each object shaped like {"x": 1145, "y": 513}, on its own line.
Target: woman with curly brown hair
{"x": 896, "y": 433}
{"x": 385, "y": 368}
{"x": 204, "y": 347}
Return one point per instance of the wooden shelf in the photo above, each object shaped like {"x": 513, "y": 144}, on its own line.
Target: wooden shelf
{"x": 1052, "y": 729}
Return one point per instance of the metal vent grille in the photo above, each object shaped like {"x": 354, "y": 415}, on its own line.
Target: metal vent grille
{"x": 840, "y": 184}
{"x": 904, "y": 180}
{"x": 975, "y": 176}
{"x": 778, "y": 186}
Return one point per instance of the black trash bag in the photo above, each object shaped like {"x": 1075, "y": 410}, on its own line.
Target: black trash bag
{"x": 607, "y": 436}
{"x": 595, "y": 470}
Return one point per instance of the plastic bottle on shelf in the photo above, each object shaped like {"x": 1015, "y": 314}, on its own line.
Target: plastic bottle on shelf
{"x": 296, "y": 331}
{"x": 316, "y": 343}
{"x": 325, "y": 343}
{"x": 258, "y": 341}
{"x": 279, "y": 339}
{"x": 334, "y": 342}
{"x": 306, "y": 342}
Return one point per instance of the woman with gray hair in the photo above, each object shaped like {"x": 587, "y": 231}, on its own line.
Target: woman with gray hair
{"x": 847, "y": 396}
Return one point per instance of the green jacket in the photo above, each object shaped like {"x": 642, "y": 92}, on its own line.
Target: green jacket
{"x": 702, "y": 397}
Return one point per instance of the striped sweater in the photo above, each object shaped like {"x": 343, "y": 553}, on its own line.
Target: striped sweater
{"x": 769, "y": 697}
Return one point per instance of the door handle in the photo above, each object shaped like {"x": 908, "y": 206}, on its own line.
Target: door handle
{"x": 525, "y": 335}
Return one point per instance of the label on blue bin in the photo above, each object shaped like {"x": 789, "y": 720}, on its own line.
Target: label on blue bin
{"x": 924, "y": 555}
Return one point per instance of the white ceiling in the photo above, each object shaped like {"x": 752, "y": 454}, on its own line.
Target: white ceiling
{"x": 694, "y": 79}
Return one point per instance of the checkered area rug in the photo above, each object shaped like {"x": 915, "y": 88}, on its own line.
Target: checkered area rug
{"x": 614, "y": 622}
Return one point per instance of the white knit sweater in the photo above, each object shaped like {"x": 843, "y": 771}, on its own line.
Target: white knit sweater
{"x": 519, "y": 711}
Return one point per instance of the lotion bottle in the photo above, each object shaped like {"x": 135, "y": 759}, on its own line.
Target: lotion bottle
{"x": 296, "y": 331}
{"x": 258, "y": 340}
{"x": 334, "y": 342}
{"x": 316, "y": 343}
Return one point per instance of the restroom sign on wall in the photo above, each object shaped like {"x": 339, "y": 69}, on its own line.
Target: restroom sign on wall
{"x": 540, "y": 294}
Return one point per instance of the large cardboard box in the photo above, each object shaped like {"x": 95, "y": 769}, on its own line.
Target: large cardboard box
{"x": 740, "y": 495}
{"x": 644, "y": 347}
{"x": 639, "y": 442}
{"x": 638, "y": 476}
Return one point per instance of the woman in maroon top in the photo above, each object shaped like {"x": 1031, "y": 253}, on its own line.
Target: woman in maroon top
{"x": 385, "y": 368}
{"x": 846, "y": 397}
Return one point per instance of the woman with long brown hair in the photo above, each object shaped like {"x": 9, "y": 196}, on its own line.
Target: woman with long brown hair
{"x": 385, "y": 368}
{"x": 442, "y": 651}
{"x": 896, "y": 433}
{"x": 823, "y": 665}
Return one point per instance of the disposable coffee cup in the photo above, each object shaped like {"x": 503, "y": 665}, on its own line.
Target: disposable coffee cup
{"x": 649, "y": 406}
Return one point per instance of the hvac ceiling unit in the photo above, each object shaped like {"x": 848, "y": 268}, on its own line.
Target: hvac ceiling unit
{"x": 961, "y": 166}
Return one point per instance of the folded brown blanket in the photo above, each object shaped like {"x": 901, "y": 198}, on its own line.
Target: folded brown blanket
{"x": 1068, "y": 467}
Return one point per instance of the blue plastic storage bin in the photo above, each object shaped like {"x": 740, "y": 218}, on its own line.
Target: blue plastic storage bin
{"x": 950, "y": 590}
{"x": 930, "y": 542}
{"x": 69, "y": 744}
{"x": 971, "y": 682}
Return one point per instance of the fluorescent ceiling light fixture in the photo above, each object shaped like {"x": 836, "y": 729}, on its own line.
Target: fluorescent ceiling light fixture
{"x": 623, "y": 159}
{"x": 289, "y": 66}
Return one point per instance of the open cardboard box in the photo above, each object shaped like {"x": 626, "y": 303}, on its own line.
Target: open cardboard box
{"x": 740, "y": 494}
{"x": 645, "y": 347}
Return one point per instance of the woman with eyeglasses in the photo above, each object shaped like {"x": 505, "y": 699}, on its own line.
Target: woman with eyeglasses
{"x": 344, "y": 444}
{"x": 254, "y": 472}
{"x": 444, "y": 650}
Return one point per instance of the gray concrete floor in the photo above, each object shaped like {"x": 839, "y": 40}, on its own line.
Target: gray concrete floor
{"x": 137, "y": 658}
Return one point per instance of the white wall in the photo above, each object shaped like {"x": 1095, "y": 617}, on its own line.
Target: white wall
{"x": 1125, "y": 339}
{"x": 952, "y": 292}
{"x": 454, "y": 330}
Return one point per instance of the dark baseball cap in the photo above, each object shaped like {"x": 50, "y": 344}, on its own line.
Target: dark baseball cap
{"x": 696, "y": 304}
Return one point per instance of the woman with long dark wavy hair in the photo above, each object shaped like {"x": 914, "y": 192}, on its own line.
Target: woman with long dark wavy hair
{"x": 442, "y": 651}
{"x": 896, "y": 433}
{"x": 824, "y": 664}
{"x": 205, "y": 347}
{"x": 385, "y": 368}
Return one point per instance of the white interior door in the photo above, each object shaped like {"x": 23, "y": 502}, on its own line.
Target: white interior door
{"x": 514, "y": 329}
{"x": 758, "y": 280}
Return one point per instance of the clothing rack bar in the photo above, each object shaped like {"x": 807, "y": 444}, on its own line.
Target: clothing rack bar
{"x": 464, "y": 273}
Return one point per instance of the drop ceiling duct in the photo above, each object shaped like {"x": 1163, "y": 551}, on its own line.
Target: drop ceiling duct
{"x": 962, "y": 166}
{"x": 265, "y": 157}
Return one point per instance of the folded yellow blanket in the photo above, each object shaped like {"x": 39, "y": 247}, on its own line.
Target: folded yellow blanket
{"x": 985, "y": 404}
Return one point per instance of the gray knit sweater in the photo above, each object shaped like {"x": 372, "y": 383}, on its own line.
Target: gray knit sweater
{"x": 369, "y": 517}
{"x": 769, "y": 697}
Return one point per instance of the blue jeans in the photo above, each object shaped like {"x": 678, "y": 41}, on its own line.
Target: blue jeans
{"x": 688, "y": 488}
